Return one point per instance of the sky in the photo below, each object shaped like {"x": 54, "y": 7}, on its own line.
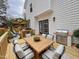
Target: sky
{"x": 15, "y": 9}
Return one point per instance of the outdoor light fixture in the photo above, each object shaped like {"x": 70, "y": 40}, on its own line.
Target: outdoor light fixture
{"x": 53, "y": 19}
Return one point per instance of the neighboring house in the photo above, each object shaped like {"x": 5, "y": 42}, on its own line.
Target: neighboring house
{"x": 46, "y": 16}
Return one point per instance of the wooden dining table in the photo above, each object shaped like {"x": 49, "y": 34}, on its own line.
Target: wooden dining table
{"x": 38, "y": 47}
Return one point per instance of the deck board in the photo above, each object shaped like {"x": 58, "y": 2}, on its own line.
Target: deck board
{"x": 11, "y": 55}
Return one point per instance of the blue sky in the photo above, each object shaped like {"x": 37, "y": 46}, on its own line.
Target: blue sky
{"x": 15, "y": 8}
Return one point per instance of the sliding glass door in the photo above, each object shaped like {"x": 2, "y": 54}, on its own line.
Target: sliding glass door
{"x": 44, "y": 26}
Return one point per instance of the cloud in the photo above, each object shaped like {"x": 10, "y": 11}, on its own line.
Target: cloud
{"x": 15, "y": 8}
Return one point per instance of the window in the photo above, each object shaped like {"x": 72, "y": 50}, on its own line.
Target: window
{"x": 31, "y": 9}
{"x": 44, "y": 26}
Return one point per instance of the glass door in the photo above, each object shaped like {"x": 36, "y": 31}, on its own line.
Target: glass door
{"x": 44, "y": 26}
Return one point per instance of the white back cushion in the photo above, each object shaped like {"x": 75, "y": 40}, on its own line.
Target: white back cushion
{"x": 28, "y": 35}
{"x": 49, "y": 36}
{"x": 60, "y": 49}
{"x": 29, "y": 56}
{"x": 19, "y": 51}
{"x": 44, "y": 35}
{"x": 15, "y": 41}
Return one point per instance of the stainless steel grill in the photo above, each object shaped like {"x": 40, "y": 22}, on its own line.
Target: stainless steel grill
{"x": 61, "y": 36}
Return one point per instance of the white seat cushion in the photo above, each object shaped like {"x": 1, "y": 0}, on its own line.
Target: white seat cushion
{"x": 45, "y": 57}
{"x": 15, "y": 41}
{"x": 24, "y": 46}
{"x": 28, "y": 51}
{"x": 43, "y": 35}
{"x": 29, "y": 56}
{"x": 19, "y": 51}
{"x": 60, "y": 49}
{"x": 49, "y": 37}
{"x": 28, "y": 35}
{"x": 48, "y": 55}
{"x": 52, "y": 49}
{"x": 17, "y": 37}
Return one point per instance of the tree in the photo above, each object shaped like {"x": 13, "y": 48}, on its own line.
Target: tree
{"x": 3, "y": 7}
{"x": 3, "y": 10}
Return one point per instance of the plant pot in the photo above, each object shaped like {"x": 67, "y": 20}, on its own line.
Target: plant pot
{"x": 36, "y": 39}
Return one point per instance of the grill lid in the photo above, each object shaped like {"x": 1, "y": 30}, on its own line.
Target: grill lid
{"x": 62, "y": 32}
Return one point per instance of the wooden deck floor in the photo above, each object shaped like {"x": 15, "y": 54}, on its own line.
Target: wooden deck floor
{"x": 69, "y": 51}
{"x": 9, "y": 53}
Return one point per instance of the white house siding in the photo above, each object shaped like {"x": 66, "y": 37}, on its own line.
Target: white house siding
{"x": 67, "y": 14}
{"x": 41, "y": 6}
{"x": 30, "y": 15}
{"x": 38, "y": 7}
{"x": 44, "y": 17}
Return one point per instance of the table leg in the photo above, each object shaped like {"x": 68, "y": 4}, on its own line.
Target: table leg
{"x": 37, "y": 56}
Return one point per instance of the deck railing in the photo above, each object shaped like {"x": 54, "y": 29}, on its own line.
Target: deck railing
{"x": 3, "y": 44}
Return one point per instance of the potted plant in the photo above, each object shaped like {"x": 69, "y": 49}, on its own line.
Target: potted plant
{"x": 32, "y": 32}
{"x": 76, "y": 36}
{"x": 1, "y": 33}
{"x": 10, "y": 27}
{"x": 36, "y": 39}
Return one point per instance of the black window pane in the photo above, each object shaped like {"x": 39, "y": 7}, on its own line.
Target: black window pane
{"x": 31, "y": 9}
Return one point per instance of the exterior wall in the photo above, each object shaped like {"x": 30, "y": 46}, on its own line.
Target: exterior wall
{"x": 67, "y": 14}
{"x": 37, "y": 9}
{"x": 41, "y": 6}
{"x": 30, "y": 15}
{"x": 37, "y": 12}
{"x": 44, "y": 17}
{"x": 52, "y": 25}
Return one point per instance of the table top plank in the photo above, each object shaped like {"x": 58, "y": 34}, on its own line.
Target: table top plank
{"x": 39, "y": 46}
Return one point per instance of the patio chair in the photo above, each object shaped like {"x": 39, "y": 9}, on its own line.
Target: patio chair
{"x": 56, "y": 54}
{"x": 24, "y": 46}
{"x": 14, "y": 33}
{"x": 20, "y": 54}
{"x": 49, "y": 36}
{"x": 43, "y": 35}
{"x": 16, "y": 37}
{"x": 15, "y": 42}
{"x": 28, "y": 35}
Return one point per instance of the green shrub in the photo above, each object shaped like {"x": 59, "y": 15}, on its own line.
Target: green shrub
{"x": 32, "y": 32}
{"x": 76, "y": 33}
{"x": 77, "y": 46}
{"x": 1, "y": 33}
